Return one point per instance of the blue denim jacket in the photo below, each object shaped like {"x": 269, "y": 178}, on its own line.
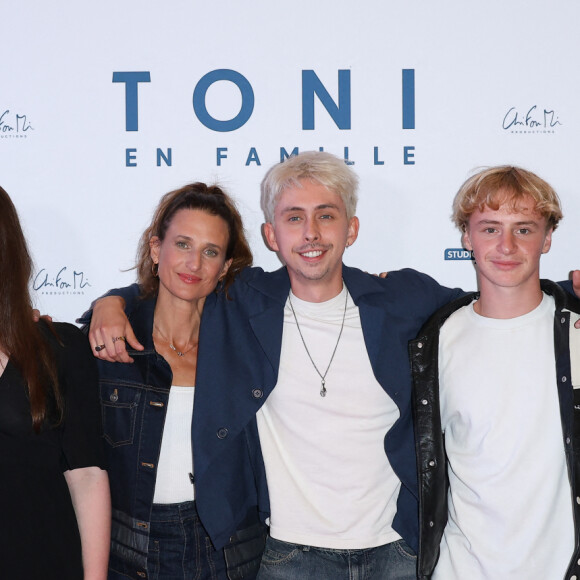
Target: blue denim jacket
{"x": 134, "y": 403}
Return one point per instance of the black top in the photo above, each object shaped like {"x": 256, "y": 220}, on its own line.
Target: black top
{"x": 39, "y": 537}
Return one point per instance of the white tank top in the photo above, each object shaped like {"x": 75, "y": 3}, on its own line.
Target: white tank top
{"x": 173, "y": 483}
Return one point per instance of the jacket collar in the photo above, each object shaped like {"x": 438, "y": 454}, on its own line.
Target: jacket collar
{"x": 275, "y": 285}
{"x": 562, "y": 298}
{"x": 360, "y": 284}
{"x": 141, "y": 319}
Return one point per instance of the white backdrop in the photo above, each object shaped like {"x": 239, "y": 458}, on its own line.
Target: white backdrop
{"x": 495, "y": 82}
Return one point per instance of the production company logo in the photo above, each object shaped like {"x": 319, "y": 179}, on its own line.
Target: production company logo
{"x": 14, "y": 125}
{"x": 532, "y": 119}
{"x": 60, "y": 282}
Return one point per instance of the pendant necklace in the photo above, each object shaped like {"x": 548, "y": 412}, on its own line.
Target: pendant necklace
{"x": 175, "y": 350}
{"x": 322, "y": 376}
{"x": 179, "y": 352}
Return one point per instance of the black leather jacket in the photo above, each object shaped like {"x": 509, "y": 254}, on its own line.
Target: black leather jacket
{"x": 430, "y": 444}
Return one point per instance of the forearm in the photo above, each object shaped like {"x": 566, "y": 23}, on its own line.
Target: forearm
{"x": 110, "y": 330}
{"x": 89, "y": 490}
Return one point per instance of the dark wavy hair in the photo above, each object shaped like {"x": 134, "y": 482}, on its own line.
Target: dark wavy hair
{"x": 20, "y": 336}
{"x": 210, "y": 199}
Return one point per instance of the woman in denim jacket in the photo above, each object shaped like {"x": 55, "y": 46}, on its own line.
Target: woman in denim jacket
{"x": 194, "y": 246}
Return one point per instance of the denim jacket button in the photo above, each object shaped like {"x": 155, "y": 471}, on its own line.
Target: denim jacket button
{"x": 257, "y": 393}
{"x": 222, "y": 433}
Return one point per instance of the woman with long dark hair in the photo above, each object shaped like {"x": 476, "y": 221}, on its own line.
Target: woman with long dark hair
{"x": 54, "y": 496}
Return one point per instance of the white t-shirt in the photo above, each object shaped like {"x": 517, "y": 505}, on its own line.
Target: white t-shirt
{"x": 510, "y": 503}
{"x": 329, "y": 479}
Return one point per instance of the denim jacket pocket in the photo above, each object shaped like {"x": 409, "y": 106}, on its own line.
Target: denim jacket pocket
{"x": 119, "y": 404}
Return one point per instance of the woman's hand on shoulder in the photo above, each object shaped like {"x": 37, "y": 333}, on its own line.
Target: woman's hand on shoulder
{"x": 36, "y": 316}
{"x": 110, "y": 331}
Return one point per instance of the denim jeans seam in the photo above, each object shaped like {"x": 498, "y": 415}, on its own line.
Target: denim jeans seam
{"x": 401, "y": 549}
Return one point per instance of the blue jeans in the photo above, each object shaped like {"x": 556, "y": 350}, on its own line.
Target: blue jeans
{"x": 179, "y": 548}
{"x": 284, "y": 561}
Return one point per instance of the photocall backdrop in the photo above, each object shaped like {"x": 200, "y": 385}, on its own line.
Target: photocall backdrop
{"x": 106, "y": 106}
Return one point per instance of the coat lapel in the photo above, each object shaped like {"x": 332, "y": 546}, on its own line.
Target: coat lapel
{"x": 267, "y": 318}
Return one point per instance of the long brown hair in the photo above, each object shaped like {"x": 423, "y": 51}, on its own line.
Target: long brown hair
{"x": 20, "y": 336}
{"x": 210, "y": 199}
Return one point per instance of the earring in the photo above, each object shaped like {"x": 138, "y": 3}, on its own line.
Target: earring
{"x": 155, "y": 269}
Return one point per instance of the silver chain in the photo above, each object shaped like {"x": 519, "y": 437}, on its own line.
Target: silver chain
{"x": 322, "y": 376}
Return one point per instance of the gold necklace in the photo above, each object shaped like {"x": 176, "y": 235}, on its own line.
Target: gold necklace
{"x": 171, "y": 346}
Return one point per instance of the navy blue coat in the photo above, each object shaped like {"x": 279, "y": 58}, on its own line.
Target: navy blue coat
{"x": 238, "y": 361}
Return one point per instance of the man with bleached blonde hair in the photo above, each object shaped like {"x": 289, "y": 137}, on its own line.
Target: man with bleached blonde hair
{"x": 496, "y": 398}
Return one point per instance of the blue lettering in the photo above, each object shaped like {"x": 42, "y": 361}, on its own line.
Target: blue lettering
{"x": 166, "y": 158}
{"x": 284, "y": 154}
{"x": 409, "y": 155}
{"x": 408, "y": 98}
{"x": 130, "y": 158}
{"x": 200, "y": 92}
{"x": 253, "y": 157}
{"x": 346, "y": 159}
{"x": 458, "y": 254}
{"x": 221, "y": 153}
{"x": 376, "y": 159}
{"x": 131, "y": 80}
{"x": 340, "y": 113}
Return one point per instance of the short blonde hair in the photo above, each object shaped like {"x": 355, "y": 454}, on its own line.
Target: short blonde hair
{"x": 324, "y": 168}
{"x": 505, "y": 184}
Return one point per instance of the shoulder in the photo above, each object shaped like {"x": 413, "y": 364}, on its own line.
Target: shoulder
{"x": 248, "y": 274}
{"x": 256, "y": 284}
{"x": 66, "y": 340}
{"x": 406, "y": 279}
{"x": 410, "y": 277}
{"x": 563, "y": 294}
{"x": 440, "y": 318}
{"x": 408, "y": 292}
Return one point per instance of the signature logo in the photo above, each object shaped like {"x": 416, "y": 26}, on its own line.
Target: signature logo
{"x": 65, "y": 282}
{"x": 458, "y": 254}
{"x": 533, "y": 120}
{"x": 14, "y": 125}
